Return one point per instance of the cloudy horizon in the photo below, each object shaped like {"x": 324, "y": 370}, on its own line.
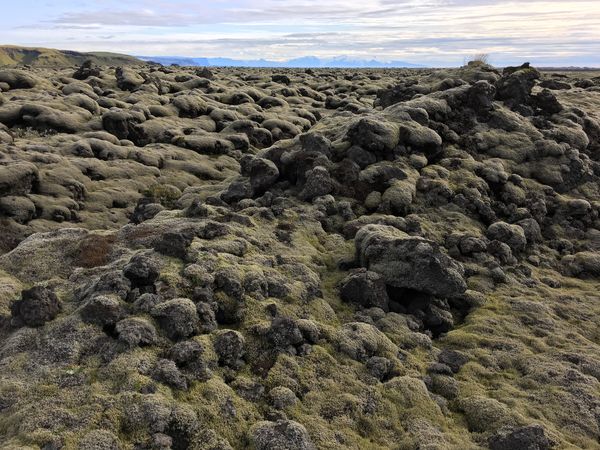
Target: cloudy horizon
{"x": 430, "y": 32}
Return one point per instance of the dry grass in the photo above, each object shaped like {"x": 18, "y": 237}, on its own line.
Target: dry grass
{"x": 95, "y": 251}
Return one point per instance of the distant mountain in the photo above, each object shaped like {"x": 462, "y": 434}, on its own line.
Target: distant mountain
{"x": 44, "y": 57}
{"x": 306, "y": 61}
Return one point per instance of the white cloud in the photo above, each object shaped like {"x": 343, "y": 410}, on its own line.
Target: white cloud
{"x": 430, "y": 31}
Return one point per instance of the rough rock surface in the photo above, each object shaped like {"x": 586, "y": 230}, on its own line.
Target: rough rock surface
{"x": 331, "y": 259}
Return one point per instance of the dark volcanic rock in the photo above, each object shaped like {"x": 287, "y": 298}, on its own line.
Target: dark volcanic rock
{"x": 178, "y": 318}
{"x": 229, "y": 346}
{"x": 141, "y": 270}
{"x": 531, "y": 437}
{"x": 365, "y": 288}
{"x": 37, "y": 306}
{"x": 87, "y": 69}
{"x": 408, "y": 262}
{"x": 515, "y": 86}
{"x": 373, "y": 135}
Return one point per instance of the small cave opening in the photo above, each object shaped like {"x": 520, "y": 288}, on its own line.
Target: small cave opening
{"x": 433, "y": 314}
{"x": 110, "y": 330}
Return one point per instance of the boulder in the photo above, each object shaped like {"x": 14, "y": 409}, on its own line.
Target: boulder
{"x": 281, "y": 435}
{"x": 530, "y": 437}
{"x": 419, "y": 138}
{"x": 409, "y": 262}
{"x": 318, "y": 183}
{"x": 20, "y": 209}
{"x": 582, "y": 264}
{"x": 127, "y": 79}
{"x": 87, "y": 69}
{"x": 511, "y": 235}
{"x": 141, "y": 270}
{"x": 205, "y": 72}
{"x": 205, "y": 144}
{"x": 190, "y": 106}
{"x": 135, "y": 331}
{"x": 178, "y": 318}
{"x": 229, "y": 346}
{"x": 373, "y": 135}
{"x": 185, "y": 352}
{"x": 284, "y": 333}
{"x": 281, "y": 397}
{"x": 121, "y": 123}
{"x": 37, "y": 306}
{"x": 263, "y": 174}
{"x": 50, "y": 117}
{"x": 103, "y": 310}
{"x": 366, "y": 289}
{"x": 166, "y": 371}
{"x": 17, "y": 79}
{"x": 516, "y": 83}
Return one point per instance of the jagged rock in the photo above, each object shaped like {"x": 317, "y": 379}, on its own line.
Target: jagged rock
{"x": 516, "y": 84}
{"x": 141, "y": 271}
{"x": 408, "y": 262}
{"x": 102, "y": 310}
{"x": 37, "y": 306}
{"x": 229, "y": 346}
{"x": 167, "y": 372}
{"x": 87, "y": 69}
{"x": 365, "y": 288}
{"x": 318, "y": 183}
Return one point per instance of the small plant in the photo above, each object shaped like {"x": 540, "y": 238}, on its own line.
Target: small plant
{"x": 31, "y": 133}
{"x": 94, "y": 251}
{"x": 479, "y": 59}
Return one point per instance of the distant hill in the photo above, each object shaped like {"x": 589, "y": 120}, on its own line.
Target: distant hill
{"x": 307, "y": 61}
{"x": 44, "y": 57}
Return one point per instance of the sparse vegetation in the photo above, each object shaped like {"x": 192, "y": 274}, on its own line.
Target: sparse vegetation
{"x": 364, "y": 259}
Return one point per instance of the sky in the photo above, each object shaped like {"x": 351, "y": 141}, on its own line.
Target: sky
{"x": 428, "y": 32}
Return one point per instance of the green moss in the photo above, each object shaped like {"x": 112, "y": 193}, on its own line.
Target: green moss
{"x": 165, "y": 194}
